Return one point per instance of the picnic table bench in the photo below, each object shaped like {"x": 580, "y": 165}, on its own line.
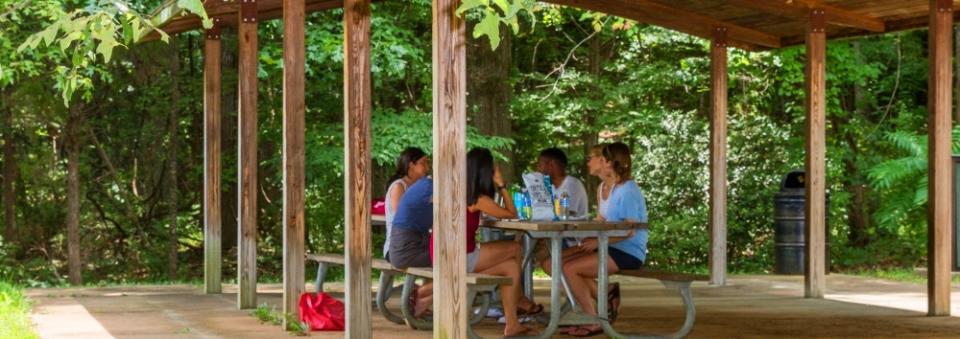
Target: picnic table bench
{"x": 679, "y": 281}
{"x": 478, "y": 286}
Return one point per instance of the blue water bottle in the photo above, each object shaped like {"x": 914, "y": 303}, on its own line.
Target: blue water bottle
{"x": 527, "y": 206}
{"x": 518, "y": 203}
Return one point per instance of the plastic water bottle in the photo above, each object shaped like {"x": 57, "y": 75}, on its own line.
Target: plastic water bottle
{"x": 527, "y": 206}
{"x": 549, "y": 184}
{"x": 564, "y": 206}
{"x": 518, "y": 203}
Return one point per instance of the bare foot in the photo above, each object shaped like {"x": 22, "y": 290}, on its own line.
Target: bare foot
{"x": 420, "y": 308}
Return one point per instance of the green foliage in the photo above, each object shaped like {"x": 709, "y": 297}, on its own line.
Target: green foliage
{"x": 395, "y": 131}
{"x": 79, "y": 36}
{"x": 269, "y": 314}
{"x": 901, "y": 184}
{"x": 493, "y": 13}
{"x": 295, "y": 326}
{"x": 14, "y": 313}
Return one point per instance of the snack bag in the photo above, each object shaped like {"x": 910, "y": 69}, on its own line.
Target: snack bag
{"x": 541, "y": 200}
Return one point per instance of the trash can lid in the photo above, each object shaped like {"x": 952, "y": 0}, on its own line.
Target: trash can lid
{"x": 796, "y": 179}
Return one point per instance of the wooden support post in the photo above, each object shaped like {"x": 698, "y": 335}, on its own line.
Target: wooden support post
{"x": 449, "y": 169}
{"x": 212, "y": 260}
{"x": 940, "y": 181}
{"x": 815, "y": 275}
{"x": 247, "y": 162}
{"x": 358, "y": 171}
{"x": 294, "y": 165}
{"x": 718, "y": 157}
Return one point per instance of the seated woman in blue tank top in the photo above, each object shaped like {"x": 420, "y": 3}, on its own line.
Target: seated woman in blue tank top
{"x": 410, "y": 237}
{"x": 410, "y": 234}
{"x": 626, "y": 203}
{"x": 412, "y": 164}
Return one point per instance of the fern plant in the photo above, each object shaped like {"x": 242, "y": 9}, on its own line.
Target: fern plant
{"x": 902, "y": 183}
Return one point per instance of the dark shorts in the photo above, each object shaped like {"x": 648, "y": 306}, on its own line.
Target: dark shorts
{"x": 409, "y": 248}
{"x": 623, "y": 260}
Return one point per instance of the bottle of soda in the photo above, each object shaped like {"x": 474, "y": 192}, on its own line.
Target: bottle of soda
{"x": 564, "y": 206}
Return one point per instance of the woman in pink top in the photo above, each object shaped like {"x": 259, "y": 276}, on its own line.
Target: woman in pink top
{"x": 501, "y": 258}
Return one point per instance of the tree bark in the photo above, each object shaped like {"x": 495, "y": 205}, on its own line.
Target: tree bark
{"x": 489, "y": 90}
{"x": 590, "y": 136}
{"x": 73, "y": 194}
{"x": 858, "y": 213}
{"x": 172, "y": 161}
{"x": 9, "y": 176}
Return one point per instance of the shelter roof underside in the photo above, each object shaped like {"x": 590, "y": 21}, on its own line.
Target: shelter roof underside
{"x": 751, "y": 24}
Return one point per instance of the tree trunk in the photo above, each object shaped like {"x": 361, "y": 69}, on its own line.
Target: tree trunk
{"x": 590, "y": 136}
{"x": 9, "y": 176}
{"x": 172, "y": 183}
{"x": 488, "y": 89}
{"x": 858, "y": 214}
{"x": 73, "y": 194}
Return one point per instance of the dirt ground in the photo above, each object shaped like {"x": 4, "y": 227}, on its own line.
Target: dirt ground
{"x": 748, "y": 307}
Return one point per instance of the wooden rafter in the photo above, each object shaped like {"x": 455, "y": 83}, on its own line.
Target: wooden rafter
{"x": 172, "y": 19}
{"x": 800, "y": 9}
{"x": 677, "y": 19}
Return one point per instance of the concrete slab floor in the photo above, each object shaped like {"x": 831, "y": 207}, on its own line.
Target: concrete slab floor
{"x": 757, "y": 306}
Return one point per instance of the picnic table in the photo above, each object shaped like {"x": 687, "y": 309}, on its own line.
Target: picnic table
{"x": 556, "y": 231}
{"x": 378, "y": 220}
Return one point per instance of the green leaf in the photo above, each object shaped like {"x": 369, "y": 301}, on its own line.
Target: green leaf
{"x": 67, "y": 40}
{"x": 467, "y": 5}
{"x": 105, "y": 48}
{"x": 196, "y": 7}
{"x": 50, "y": 34}
{"x": 504, "y": 5}
{"x": 489, "y": 26}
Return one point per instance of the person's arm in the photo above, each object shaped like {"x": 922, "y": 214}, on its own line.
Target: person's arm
{"x": 600, "y": 216}
{"x": 626, "y": 209}
{"x": 489, "y": 207}
{"x": 591, "y": 244}
{"x": 395, "y": 194}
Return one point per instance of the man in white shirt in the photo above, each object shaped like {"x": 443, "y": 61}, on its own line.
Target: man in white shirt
{"x": 553, "y": 162}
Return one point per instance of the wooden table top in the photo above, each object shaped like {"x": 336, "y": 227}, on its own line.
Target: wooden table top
{"x": 567, "y": 225}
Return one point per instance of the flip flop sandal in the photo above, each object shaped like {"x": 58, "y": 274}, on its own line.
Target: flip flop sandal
{"x": 534, "y": 310}
{"x": 613, "y": 303}
{"x": 587, "y": 332}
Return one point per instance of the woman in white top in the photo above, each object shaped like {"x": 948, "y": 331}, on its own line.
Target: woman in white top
{"x": 607, "y": 183}
{"x": 412, "y": 164}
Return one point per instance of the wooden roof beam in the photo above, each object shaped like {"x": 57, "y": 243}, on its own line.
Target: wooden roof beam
{"x": 800, "y": 10}
{"x": 650, "y": 12}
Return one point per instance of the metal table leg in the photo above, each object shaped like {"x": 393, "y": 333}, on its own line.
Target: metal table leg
{"x": 528, "y": 248}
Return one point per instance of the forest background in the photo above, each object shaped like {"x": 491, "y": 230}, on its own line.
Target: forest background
{"x": 121, "y": 129}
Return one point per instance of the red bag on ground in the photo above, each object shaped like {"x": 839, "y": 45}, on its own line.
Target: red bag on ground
{"x": 322, "y": 312}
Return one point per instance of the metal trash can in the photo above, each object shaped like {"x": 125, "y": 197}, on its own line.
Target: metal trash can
{"x": 789, "y": 226}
